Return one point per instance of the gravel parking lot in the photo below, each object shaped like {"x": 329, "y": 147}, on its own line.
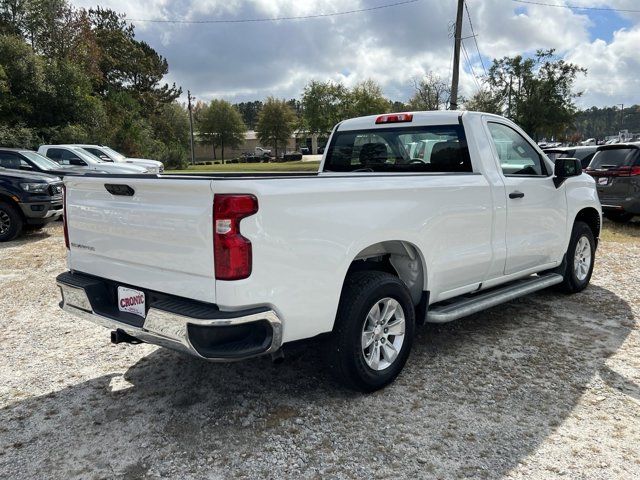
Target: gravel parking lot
{"x": 543, "y": 387}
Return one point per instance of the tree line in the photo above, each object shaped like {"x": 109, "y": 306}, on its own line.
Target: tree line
{"x": 73, "y": 75}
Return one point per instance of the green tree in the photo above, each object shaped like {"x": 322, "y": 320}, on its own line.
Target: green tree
{"x": 276, "y": 123}
{"x": 484, "y": 101}
{"x": 537, "y": 92}
{"x": 366, "y": 98}
{"x": 222, "y": 124}
{"x": 430, "y": 93}
{"x": 249, "y": 112}
{"x": 323, "y": 105}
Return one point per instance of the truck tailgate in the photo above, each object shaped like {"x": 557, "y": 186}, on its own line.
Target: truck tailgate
{"x": 158, "y": 234}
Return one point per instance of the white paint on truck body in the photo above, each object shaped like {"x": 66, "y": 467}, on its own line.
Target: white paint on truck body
{"x": 309, "y": 229}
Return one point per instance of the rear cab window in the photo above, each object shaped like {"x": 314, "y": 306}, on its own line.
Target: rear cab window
{"x": 426, "y": 149}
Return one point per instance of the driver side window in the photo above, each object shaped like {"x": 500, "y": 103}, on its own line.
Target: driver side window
{"x": 517, "y": 156}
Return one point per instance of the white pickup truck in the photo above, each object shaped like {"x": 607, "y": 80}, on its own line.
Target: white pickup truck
{"x": 231, "y": 266}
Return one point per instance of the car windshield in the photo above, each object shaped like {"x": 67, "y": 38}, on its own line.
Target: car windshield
{"x": 404, "y": 149}
{"x": 613, "y": 158}
{"x": 86, "y": 156}
{"x": 112, "y": 153}
{"x": 43, "y": 163}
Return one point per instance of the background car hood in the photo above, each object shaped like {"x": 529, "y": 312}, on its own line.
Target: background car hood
{"x": 27, "y": 176}
{"x": 143, "y": 161}
{"x": 121, "y": 168}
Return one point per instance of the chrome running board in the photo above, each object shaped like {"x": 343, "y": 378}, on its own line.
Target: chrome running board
{"x": 475, "y": 303}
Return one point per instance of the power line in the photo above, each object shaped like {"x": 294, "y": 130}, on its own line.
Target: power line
{"x": 466, "y": 56}
{"x": 575, "y": 7}
{"x": 475, "y": 39}
{"x": 301, "y": 17}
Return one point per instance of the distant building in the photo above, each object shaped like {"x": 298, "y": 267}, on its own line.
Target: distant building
{"x": 204, "y": 151}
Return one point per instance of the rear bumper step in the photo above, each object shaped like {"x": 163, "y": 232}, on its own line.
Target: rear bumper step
{"x": 481, "y": 301}
{"x": 191, "y": 327}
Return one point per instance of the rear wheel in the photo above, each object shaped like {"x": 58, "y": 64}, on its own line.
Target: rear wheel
{"x": 618, "y": 217}
{"x": 374, "y": 331}
{"x": 578, "y": 266}
{"x": 10, "y": 222}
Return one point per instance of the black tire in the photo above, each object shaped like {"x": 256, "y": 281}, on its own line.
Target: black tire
{"x": 344, "y": 352}
{"x": 11, "y": 222}
{"x": 571, "y": 283}
{"x": 618, "y": 217}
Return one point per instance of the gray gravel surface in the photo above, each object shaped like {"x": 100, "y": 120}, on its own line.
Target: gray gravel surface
{"x": 544, "y": 387}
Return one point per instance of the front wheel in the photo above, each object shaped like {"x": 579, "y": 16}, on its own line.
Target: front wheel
{"x": 373, "y": 333}
{"x": 10, "y": 222}
{"x": 578, "y": 266}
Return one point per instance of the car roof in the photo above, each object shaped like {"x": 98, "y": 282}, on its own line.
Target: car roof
{"x": 420, "y": 118}
{"x": 617, "y": 146}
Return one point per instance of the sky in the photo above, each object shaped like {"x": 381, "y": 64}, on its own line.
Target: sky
{"x": 250, "y": 61}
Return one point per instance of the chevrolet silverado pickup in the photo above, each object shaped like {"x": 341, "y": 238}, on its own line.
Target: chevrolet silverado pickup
{"x": 379, "y": 240}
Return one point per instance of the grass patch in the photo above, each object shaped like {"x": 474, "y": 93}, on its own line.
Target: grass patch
{"x": 252, "y": 167}
{"x": 620, "y": 233}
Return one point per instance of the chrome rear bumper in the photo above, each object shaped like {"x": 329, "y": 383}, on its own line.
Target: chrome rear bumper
{"x": 176, "y": 331}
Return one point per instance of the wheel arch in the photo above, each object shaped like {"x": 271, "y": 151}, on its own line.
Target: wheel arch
{"x": 9, "y": 199}
{"x": 398, "y": 257}
{"x": 591, "y": 217}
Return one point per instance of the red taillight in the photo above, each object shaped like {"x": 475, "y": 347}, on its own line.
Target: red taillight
{"x": 395, "y": 118}
{"x": 232, "y": 251}
{"x": 64, "y": 217}
{"x": 628, "y": 171}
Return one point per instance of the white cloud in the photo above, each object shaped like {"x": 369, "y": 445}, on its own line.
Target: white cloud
{"x": 254, "y": 60}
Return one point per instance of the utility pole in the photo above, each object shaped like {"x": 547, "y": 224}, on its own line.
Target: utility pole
{"x": 621, "y": 115}
{"x": 193, "y": 153}
{"x": 453, "y": 103}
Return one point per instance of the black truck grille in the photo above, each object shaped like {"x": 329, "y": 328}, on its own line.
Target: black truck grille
{"x": 55, "y": 189}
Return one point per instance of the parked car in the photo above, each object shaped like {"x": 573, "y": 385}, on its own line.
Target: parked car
{"x": 584, "y": 154}
{"x": 588, "y": 142}
{"x": 262, "y": 152}
{"x": 616, "y": 169}
{"x": 354, "y": 255}
{"x": 30, "y": 161}
{"x": 109, "y": 155}
{"x": 76, "y": 156}
{"x": 289, "y": 156}
{"x": 27, "y": 199}
{"x": 305, "y": 150}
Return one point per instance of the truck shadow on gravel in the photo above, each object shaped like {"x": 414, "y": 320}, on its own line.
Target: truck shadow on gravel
{"x": 476, "y": 398}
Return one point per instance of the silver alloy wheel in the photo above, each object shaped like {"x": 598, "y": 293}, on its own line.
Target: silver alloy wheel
{"x": 582, "y": 258}
{"x": 5, "y": 222}
{"x": 383, "y": 333}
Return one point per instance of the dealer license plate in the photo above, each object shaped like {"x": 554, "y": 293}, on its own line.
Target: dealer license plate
{"x": 131, "y": 301}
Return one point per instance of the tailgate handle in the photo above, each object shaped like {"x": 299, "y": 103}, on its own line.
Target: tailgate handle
{"x": 117, "y": 189}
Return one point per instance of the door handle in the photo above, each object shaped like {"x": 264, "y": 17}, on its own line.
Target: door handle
{"x": 516, "y": 194}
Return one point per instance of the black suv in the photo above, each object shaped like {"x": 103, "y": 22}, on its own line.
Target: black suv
{"x": 616, "y": 170}
{"x": 32, "y": 199}
{"x": 30, "y": 161}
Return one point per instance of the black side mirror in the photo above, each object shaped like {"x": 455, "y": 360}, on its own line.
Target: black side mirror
{"x": 565, "y": 168}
